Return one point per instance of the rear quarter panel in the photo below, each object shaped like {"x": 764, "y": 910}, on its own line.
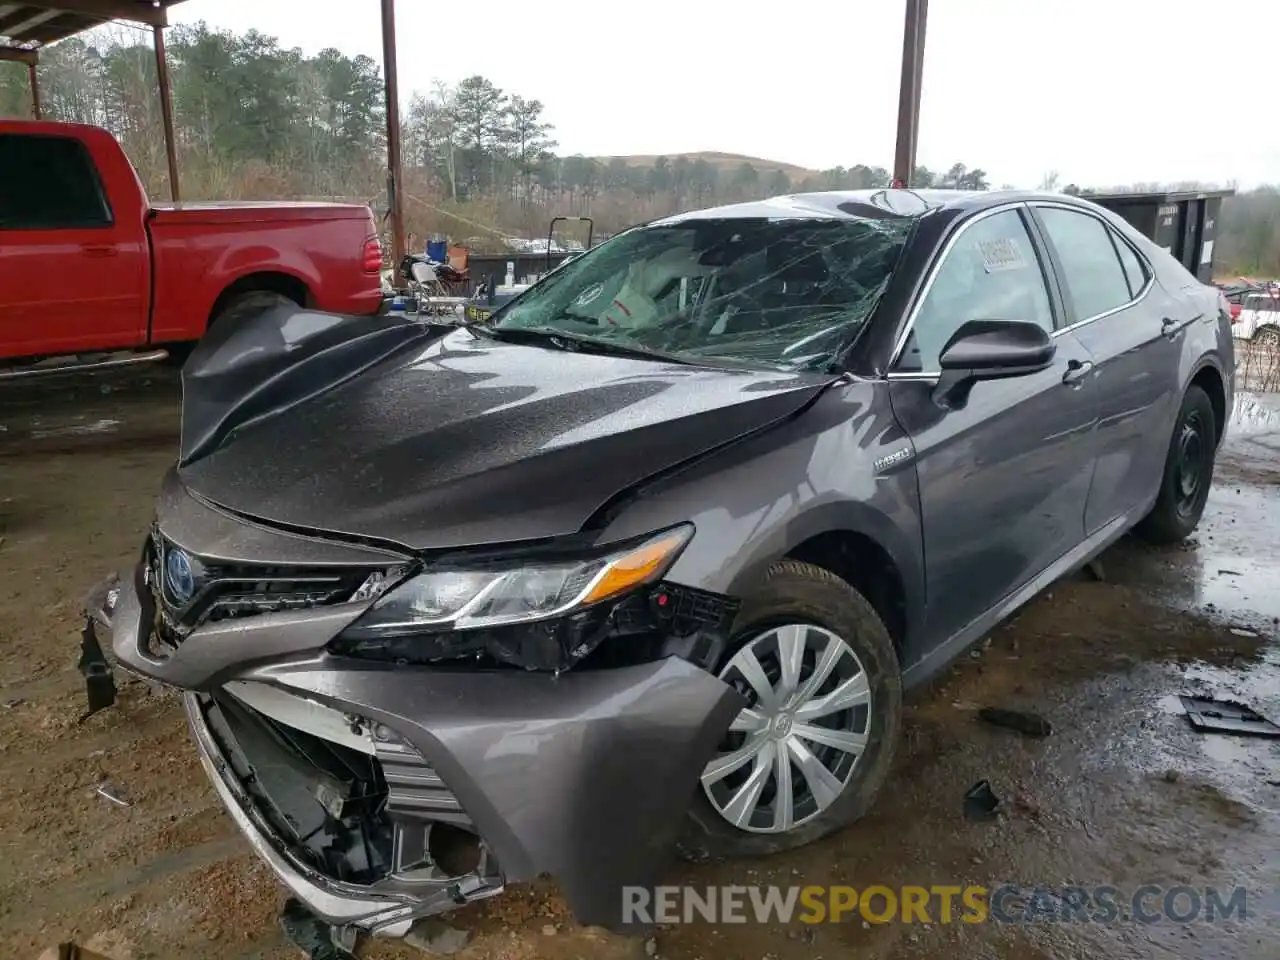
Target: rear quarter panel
{"x": 1206, "y": 343}
{"x": 196, "y": 258}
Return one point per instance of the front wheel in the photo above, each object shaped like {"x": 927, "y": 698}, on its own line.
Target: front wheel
{"x": 1188, "y": 472}
{"x": 809, "y": 752}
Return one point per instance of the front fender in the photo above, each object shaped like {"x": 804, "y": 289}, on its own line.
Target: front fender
{"x": 816, "y": 474}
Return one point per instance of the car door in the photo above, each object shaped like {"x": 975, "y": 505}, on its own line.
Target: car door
{"x": 72, "y": 277}
{"x": 1003, "y": 480}
{"x": 1133, "y": 330}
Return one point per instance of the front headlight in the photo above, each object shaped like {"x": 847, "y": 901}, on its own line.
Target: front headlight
{"x": 499, "y": 595}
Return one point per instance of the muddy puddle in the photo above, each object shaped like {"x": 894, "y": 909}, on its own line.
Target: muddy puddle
{"x": 1123, "y": 793}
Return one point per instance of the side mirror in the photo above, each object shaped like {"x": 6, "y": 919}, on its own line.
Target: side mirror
{"x": 990, "y": 350}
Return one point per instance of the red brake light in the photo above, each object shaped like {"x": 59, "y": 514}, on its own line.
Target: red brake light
{"x": 1235, "y": 313}
{"x": 371, "y": 256}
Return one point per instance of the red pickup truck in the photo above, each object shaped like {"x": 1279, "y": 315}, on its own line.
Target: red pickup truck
{"x": 90, "y": 267}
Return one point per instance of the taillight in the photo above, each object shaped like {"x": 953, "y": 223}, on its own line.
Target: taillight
{"x": 371, "y": 257}
{"x": 1235, "y": 313}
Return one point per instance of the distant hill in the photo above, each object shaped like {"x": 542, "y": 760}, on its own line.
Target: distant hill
{"x": 723, "y": 161}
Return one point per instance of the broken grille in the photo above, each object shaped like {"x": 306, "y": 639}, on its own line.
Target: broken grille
{"x": 220, "y": 591}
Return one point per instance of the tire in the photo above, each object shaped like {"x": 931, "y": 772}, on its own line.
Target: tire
{"x": 1176, "y": 512}
{"x": 1266, "y": 337}
{"x": 251, "y": 301}
{"x": 796, "y": 593}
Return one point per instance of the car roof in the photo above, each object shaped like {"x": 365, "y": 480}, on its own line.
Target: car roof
{"x": 879, "y": 204}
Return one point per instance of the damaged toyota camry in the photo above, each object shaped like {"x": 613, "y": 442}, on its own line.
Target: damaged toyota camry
{"x": 645, "y": 563}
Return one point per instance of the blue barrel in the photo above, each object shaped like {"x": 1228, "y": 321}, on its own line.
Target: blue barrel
{"x": 437, "y": 250}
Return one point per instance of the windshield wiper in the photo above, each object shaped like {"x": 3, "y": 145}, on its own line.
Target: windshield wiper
{"x": 584, "y": 344}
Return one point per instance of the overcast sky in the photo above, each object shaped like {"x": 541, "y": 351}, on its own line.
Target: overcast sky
{"x": 1102, "y": 91}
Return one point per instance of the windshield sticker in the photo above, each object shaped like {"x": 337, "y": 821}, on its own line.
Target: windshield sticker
{"x": 591, "y": 293}
{"x": 1002, "y": 254}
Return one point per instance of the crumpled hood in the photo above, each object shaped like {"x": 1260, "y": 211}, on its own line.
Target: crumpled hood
{"x": 468, "y": 441}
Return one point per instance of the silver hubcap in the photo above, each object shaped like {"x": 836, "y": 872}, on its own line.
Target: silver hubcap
{"x": 792, "y": 751}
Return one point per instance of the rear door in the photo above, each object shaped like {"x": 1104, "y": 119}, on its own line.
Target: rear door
{"x": 73, "y": 276}
{"x": 1133, "y": 330}
{"x": 1004, "y": 479}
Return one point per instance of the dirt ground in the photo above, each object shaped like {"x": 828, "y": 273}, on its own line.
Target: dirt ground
{"x": 1123, "y": 792}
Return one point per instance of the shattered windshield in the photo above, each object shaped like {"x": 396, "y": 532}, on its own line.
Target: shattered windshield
{"x": 776, "y": 293}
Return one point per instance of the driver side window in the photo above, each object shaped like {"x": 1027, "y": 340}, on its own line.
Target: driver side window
{"x": 990, "y": 273}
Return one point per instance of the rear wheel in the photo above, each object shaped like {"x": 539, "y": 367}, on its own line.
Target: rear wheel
{"x": 236, "y": 307}
{"x": 813, "y": 747}
{"x": 249, "y": 302}
{"x": 1188, "y": 472}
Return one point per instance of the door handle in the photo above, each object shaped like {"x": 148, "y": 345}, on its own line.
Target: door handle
{"x": 103, "y": 250}
{"x": 1170, "y": 327}
{"x": 1077, "y": 370}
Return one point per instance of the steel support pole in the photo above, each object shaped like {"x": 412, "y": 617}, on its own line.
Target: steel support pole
{"x": 35, "y": 90}
{"x": 394, "y": 171}
{"x": 904, "y": 161}
{"x": 166, "y": 114}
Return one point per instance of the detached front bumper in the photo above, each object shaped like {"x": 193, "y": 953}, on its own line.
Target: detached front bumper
{"x": 585, "y": 776}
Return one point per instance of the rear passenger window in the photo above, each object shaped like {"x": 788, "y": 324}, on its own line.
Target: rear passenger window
{"x": 1134, "y": 269}
{"x": 47, "y": 183}
{"x": 1094, "y": 276}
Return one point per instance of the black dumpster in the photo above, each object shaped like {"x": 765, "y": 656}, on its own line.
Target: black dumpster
{"x": 1185, "y": 223}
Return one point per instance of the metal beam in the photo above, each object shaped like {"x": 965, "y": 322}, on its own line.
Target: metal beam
{"x": 166, "y": 114}
{"x": 20, "y": 27}
{"x": 19, "y": 55}
{"x": 904, "y": 160}
{"x": 35, "y": 91}
{"x": 392, "y": 89}
{"x": 133, "y": 10}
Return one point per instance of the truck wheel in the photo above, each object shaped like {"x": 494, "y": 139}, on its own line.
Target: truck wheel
{"x": 237, "y": 306}
{"x": 1267, "y": 337}
{"x": 813, "y": 747}
{"x": 251, "y": 301}
{"x": 1188, "y": 472}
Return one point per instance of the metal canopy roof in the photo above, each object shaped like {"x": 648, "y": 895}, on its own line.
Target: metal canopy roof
{"x": 26, "y": 27}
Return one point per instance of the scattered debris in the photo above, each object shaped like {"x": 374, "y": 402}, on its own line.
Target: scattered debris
{"x": 1171, "y": 776}
{"x": 548, "y": 929}
{"x": 1230, "y": 573}
{"x": 1243, "y": 632}
{"x": 980, "y": 802}
{"x": 71, "y": 951}
{"x": 1225, "y": 716}
{"x": 100, "y": 686}
{"x": 651, "y": 947}
{"x": 316, "y": 938}
{"x": 1030, "y": 724}
{"x": 437, "y": 937}
{"x": 109, "y": 792}
{"x": 1024, "y": 805}
{"x": 1095, "y": 570}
